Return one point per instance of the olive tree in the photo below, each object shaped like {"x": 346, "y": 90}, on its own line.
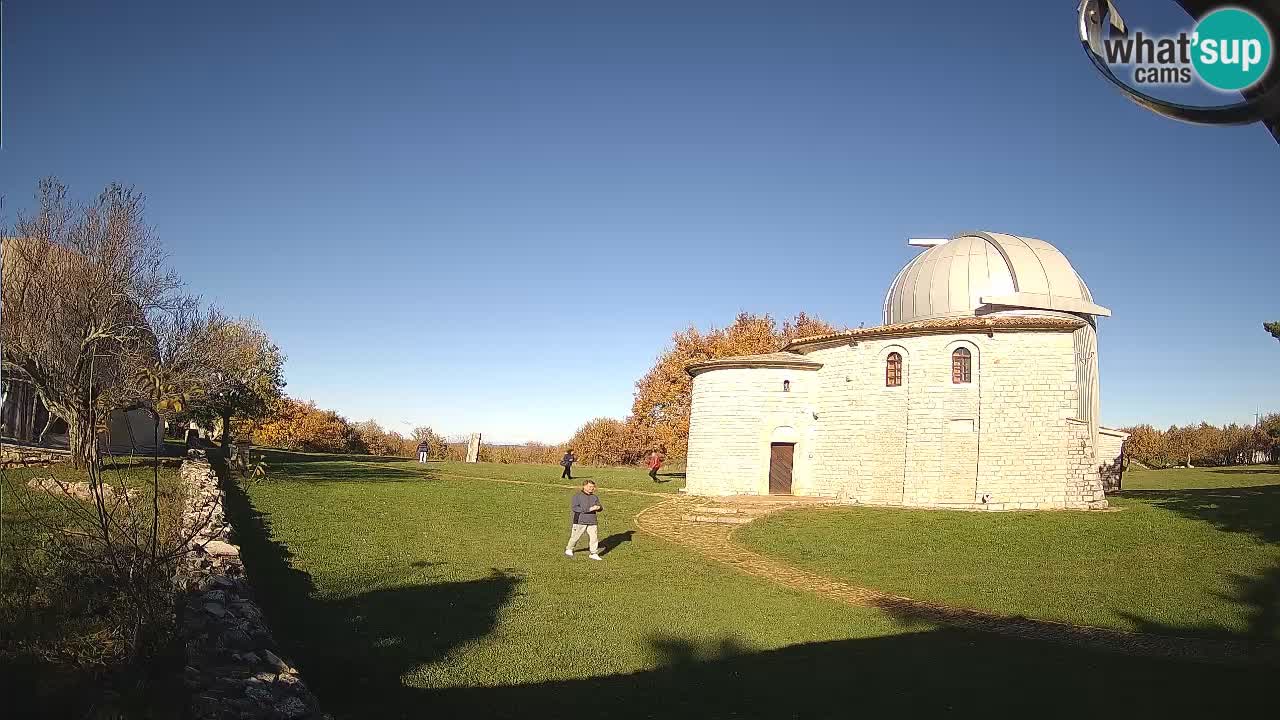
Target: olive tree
{"x": 81, "y": 281}
{"x": 245, "y": 378}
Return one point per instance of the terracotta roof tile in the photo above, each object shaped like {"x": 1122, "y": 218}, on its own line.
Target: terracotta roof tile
{"x": 774, "y": 360}
{"x": 989, "y": 324}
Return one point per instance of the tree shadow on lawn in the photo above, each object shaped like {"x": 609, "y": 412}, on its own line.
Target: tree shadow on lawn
{"x": 297, "y": 456}
{"x": 1258, "y": 594}
{"x": 346, "y": 468}
{"x": 1250, "y": 470}
{"x": 363, "y": 643}
{"x": 1250, "y": 510}
{"x": 921, "y": 674}
{"x": 353, "y": 653}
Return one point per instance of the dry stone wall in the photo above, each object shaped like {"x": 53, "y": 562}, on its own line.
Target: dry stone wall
{"x": 234, "y": 668}
{"x": 17, "y": 454}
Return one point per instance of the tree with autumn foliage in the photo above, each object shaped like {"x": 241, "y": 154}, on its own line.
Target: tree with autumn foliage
{"x": 1203, "y": 445}
{"x": 660, "y": 412}
{"x": 606, "y": 441}
{"x": 298, "y": 425}
{"x": 438, "y": 447}
{"x": 246, "y": 377}
{"x": 376, "y": 440}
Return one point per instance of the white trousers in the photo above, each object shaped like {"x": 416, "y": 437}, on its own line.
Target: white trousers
{"x": 576, "y": 533}
{"x": 422, "y": 457}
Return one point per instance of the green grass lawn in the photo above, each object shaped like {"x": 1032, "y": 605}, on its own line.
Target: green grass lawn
{"x": 302, "y": 466}
{"x": 1193, "y": 552}
{"x": 55, "y": 623}
{"x": 411, "y": 592}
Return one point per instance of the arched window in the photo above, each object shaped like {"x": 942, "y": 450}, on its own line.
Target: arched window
{"x": 893, "y": 370}
{"x": 961, "y": 366}
{"x": 786, "y": 386}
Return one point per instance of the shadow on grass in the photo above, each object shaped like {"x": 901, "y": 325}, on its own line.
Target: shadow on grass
{"x": 1258, "y": 594}
{"x": 924, "y": 674}
{"x": 355, "y": 651}
{"x": 1250, "y": 470}
{"x": 611, "y": 543}
{"x": 363, "y": 643}
{"x": 305, "y": 467}
{"x": 295, "y": 456}
{"x": 1250, "y": 510}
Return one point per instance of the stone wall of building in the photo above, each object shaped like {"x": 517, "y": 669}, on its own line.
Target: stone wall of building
{"x": 1111, "y": 459}
{"x": 1004, "y": 441}
{"x": 234, "y": 668}
{"x": 736, "y": 414}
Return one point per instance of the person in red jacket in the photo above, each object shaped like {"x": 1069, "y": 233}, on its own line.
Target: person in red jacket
{"x": 655, "y": 462}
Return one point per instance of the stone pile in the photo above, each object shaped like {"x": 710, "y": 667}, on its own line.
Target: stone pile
{"x": 75, "y": 489}
{"x": 234, "y": 667}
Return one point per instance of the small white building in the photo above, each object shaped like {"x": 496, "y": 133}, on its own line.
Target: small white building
{"x": 979, "y": 391}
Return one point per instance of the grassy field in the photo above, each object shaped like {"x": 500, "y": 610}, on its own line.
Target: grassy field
{"x": 405, "y": 591}
{"x": 57, "y": 625}
{"x": 304, "y": 466}
{"x": 1188, "y": 552}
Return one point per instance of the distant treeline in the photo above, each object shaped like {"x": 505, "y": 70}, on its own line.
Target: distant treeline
{"x": 1205, "y": 445}
{"x": 299, "y": 425}
{"x": 659, "y": 419}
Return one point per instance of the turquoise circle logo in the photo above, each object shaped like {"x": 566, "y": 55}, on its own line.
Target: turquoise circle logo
{"x": 1231, "y": 49}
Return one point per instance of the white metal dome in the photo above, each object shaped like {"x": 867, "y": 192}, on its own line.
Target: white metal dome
{"x": 979, "y": 273}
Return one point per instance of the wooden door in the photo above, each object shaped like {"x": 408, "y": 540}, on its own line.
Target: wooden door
{"x": 780, "y": 455}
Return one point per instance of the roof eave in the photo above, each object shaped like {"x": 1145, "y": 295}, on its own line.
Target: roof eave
{"x": 1038, "y": 301}
{"x": 938, "y": 326}
{"x": 729, "y": 364}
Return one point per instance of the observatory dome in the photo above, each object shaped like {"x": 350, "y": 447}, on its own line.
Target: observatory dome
{"x": 982, "y": 273}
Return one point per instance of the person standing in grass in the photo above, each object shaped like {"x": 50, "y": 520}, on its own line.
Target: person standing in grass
{"x": 585, "y": 505}
{"x": 423, "y": 449}
{"x": 655, "y": 462}
{"x": 567, "y": 461}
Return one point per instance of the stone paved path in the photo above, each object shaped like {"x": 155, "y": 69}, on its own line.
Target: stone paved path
{"x": 715, "y": 540}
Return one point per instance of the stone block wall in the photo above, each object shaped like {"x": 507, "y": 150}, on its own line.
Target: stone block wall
{"x": 234, "y": 667}
{"x": 1111, "y": 459}
{"x": 1007, "y": 440}
{"x": 737, "y": 413}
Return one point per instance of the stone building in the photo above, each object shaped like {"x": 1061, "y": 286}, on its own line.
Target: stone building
{"x": 979, "y": 391}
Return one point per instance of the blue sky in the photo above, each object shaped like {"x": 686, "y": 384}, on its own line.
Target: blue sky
{"x": 491, "y": 216}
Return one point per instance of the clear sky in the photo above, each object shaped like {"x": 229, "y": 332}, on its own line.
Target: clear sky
{"x": 491, "y": 215}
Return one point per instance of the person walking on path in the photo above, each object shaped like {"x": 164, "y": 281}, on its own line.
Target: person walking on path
{"x": 585, "y": 505}
{"x": 655, "y": 462}
{"x": 567, "y": 461}
{"x": 423, "y": 449}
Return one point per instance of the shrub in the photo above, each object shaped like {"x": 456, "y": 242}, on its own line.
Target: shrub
{"x": 605, "y": 441}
